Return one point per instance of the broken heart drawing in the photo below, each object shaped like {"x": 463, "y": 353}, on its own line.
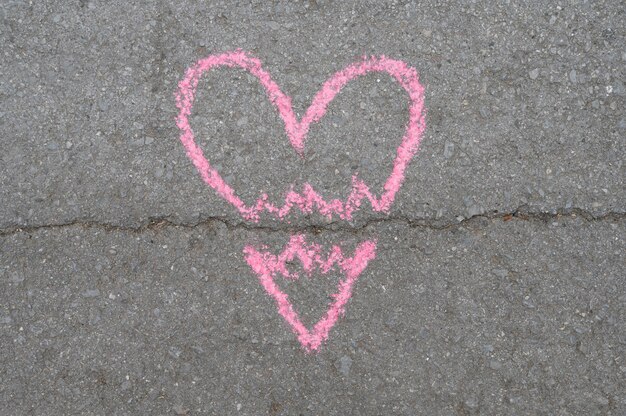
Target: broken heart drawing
{"x": 267, "y": 266}
{"x": 308, "y": 200}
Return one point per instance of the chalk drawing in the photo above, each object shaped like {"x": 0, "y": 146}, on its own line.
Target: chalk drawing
{"x": 267, "y": 266}
{"x": 308, "y": 200}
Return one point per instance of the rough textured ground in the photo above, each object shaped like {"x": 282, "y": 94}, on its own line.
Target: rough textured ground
{"x": 499, "y": 283}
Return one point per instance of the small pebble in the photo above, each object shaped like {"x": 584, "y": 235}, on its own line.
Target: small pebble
{"x": 179, "y": 409}
{"x": 448, "y": 150}
{"x": 242, "y": 121}
{"x": 472, "y": 403}
{"x": 345, "y": 363}
{"x": 500, "y": 272}
{"x": 91, "y": 293}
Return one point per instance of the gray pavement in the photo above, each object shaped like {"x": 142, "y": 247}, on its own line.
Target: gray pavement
{"x": 499, "y": 281}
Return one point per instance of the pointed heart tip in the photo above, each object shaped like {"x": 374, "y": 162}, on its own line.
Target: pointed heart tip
{"x": 268, "y": 266}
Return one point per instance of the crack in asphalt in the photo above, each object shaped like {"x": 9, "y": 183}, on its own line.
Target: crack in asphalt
{"x": 157, "y": 223}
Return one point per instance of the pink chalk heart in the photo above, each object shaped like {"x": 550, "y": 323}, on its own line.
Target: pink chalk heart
{"x": 308, "y": 200}
{"x": 267, "y": 266}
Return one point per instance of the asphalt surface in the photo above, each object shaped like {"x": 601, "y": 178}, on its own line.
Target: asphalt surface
{"x": 499, "y": 282}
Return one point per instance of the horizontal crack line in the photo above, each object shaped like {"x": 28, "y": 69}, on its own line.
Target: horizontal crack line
{"x": 157, "y": 223}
